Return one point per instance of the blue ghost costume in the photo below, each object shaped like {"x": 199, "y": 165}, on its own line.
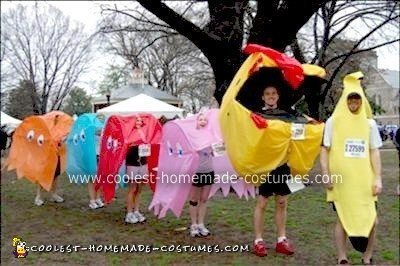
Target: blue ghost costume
{"x": 81, "y": 148}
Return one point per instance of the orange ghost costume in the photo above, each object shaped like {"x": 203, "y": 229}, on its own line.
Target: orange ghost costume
{"x": 36, "y": 145}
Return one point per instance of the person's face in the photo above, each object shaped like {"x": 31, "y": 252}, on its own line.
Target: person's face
{"x": 354, "y": 105}
{"x": 201, "y": 121}
{"x": 270, "y": 96}
{"x": 139, "y": 122}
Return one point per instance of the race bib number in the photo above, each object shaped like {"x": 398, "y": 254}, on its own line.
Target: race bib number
{"x": 298, "y": 131}
{"x": 355, "y": 148}
{"x": 144, "y": 150}
{"x": 218, "y": 149}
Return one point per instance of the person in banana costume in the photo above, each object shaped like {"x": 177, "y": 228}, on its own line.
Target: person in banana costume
{"x": 350, "y": 155}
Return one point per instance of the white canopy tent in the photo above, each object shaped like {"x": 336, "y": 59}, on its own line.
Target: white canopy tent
{"x": 143, "y": 104}
{"x": 10, "y": 122}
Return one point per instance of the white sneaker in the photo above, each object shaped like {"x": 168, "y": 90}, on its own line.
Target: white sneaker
{"x": 99, "y": 203}
{"x": 140, "y": 217}
{"x": 93, "y": 205}
{"x": 194, "y": 231}
{"x": 38, "y": 201}
{"x": 131, "y": 218}
{"x": 57, "y": 198}
{"x": 203, "y": 230}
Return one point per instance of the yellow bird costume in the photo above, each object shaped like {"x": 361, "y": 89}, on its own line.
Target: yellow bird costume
{"x": 256, "y": 145}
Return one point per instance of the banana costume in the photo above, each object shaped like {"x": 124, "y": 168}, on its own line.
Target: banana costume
{"x": 349, "y": 157}
{"x": 255, "y": 145}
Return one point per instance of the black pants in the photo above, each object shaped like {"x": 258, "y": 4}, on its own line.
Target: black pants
{"x": 276, "y": 183}
{"x": 203, "y": 179}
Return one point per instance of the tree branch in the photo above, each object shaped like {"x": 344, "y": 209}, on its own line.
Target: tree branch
{"x": 199, "y": 37}
{"x": 359, "y": 51}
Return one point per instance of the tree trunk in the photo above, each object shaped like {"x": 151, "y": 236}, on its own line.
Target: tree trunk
{"x": 225, "y": 63}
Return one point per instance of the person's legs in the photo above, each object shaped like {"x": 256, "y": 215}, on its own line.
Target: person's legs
{"x": 204, "y": 193}
{"x": 92, "y": 195}
{"x": 99, "y": 202}
{"x": 194, "y": 200}
{"x": 282, "y": 245}
{"x": 259, "y": 245}
{"x": 38, "y": 199}
{"x": 259, "y": 217}
{"x": 280, "y": 215}
{"x": 53, "y": 189}
{"x": 38, "y": 191}
{"x": 130, "y": 217}
{"x": 136, "y": 196}
{"x": 130, "y": 204}
{"x": 91, "y": 190}
{"x": 367, "y": 256}
{"x": 136, "y": 202}
{"x": 55, "y": 197}
{"x": 340, "y": 241}
{"x": 140, "y": 179}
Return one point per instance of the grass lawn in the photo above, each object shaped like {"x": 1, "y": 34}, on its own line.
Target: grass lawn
{"x": 309, "y": 226}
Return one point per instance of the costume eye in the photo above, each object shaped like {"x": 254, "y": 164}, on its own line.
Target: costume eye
{"x": 170, "y": 150}
{"x": 179, "y": 149}
{"x": 109, "y": 143}
{"x": 82, "y": 135}
{"x": 30, "y": 135}
{"x": 115, "y": 144}
{"x": 75, "y": 139}
{"x": 40, "y": 140}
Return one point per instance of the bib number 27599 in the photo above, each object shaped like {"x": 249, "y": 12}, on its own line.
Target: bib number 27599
{"x": 355, "y": 148}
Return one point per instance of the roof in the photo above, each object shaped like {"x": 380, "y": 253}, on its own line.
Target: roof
{"x": 9, "y": 122}
{"x": 143, "y": 103}
{"x": 7, "y": 119}
{"x": 391, "y": 77}
{"x": 134, "y": 89}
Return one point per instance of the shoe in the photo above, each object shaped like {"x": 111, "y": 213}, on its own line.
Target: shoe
{"x": 343, "y": 262}
{"x": 194, "y": 231}
{"x": 57, "y": 198}
{"x": 131, "y": 218}
{"x": 99, "y": 203}
{"x": 93, "y": 205}
{"x": 38, "y": 201}
{"x": 284, "y": 247}
{"x": 371, "y": 262}
{"x": 140, "y": 217}
{"x": 203, "y": 230}
{"x": 260, "y": 249}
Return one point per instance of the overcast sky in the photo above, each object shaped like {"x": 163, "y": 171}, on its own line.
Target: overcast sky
{"x": 88, "y": 12}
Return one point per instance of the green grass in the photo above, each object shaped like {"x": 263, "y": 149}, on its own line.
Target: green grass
{"x": 309, "y": 226}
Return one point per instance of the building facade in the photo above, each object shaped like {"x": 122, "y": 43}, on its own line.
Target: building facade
{"x": 137, "y": 84}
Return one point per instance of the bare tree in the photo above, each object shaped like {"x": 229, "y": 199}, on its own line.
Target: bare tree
{"x": 172, "y": 63}
{"x": 341, "y": 34}
{"x": 220, "y": 29}
{"x": 42, "y": 46}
